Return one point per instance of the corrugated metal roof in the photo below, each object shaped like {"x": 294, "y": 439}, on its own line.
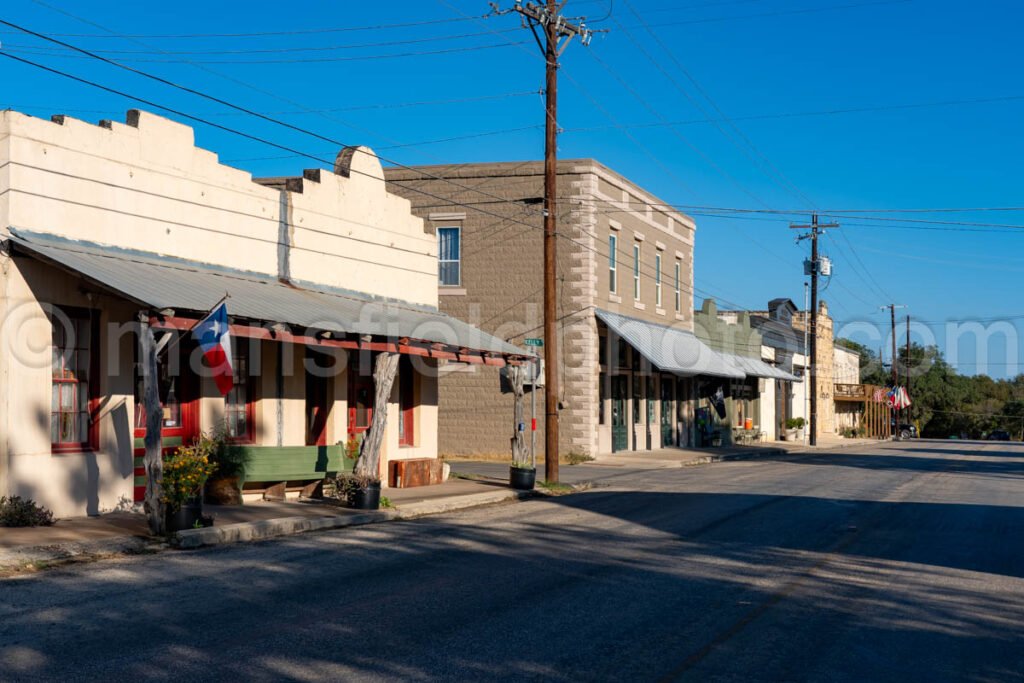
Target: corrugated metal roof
{"x": 755, "y": 367}
{"x": 160, "y": 282}
{"x": 670, "y": 349}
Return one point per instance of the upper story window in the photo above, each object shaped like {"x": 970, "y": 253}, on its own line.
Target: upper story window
{"x": 679, "y": 293}
{"x": 657, "y": 280}
{"x": 449, "y": 256}
{"x": 613, "y": 280}
{"x": 636, "y": 271}
{"x": 74, "y": 387}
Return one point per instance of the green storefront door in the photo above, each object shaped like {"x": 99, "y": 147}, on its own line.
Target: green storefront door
{"x": 620, "y": 434}
{"x": 667, "y": 413}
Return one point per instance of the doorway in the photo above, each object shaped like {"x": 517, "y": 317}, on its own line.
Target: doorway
{"x": 620, "y": 433}
{"x": 319, "y": 367}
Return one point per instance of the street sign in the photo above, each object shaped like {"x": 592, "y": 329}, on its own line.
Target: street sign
{"x": 531, "y": 341}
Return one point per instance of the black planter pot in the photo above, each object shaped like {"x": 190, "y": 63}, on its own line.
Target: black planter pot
{"x": 188, "y": 516}
{"x": 522, "y": 478}
{"x": 366, "y": 498}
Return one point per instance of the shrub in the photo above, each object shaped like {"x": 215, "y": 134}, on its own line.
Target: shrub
{"x": 794, "y": 423}
{"x": 18, "y": 511}
{"x": 186, "y": 472}
{"x": 577, "y": 458}
{"x": 229, "y": 460}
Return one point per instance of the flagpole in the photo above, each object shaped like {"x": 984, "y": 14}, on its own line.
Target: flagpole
{"x": 201, "y": 319}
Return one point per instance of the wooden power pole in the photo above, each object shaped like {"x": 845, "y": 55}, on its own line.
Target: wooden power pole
{"x": 557, "y": 33}
{"x": 812, "y": 323}
{"x": 895, "y": 370}
{"x": 906, "y": 360}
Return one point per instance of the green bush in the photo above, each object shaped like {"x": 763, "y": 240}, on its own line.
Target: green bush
{"x": 18, "y": 511}
{"x": 795, "y": 423}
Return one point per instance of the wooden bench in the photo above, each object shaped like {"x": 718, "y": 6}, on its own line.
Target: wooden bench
{"x": 304, "y": 467}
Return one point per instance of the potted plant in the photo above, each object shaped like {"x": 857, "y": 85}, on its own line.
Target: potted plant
{"x": 185, "y": 474}
{"x": 225, "y": 485}
{"x": 796, "y": 425}
{"x": 794, "y": 429}
{"x": 522, "y": 475}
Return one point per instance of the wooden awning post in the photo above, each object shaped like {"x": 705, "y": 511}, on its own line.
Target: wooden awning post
{"x": 384, "y": 370}
{"x": 516, "y": 377}
{"x": 154, "y": 463}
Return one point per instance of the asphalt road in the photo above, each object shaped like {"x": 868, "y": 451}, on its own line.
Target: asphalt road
{"x": 903, "y": 563}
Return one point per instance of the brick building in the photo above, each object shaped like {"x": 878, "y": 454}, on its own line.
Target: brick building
{"x": 630, "y": 359}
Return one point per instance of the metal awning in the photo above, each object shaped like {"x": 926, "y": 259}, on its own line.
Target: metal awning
{"x": 161, "y": 282}
{"x": 668, "y": 348}
{"x": 755, "y": 367}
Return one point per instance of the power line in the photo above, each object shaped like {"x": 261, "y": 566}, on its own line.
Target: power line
{"x": 295, "y": 60}
{"x": 204, "y": 95}
{"x": 357, "y": 107}
{"x": 258, "y": 34}
{"x": 274, "y": 50}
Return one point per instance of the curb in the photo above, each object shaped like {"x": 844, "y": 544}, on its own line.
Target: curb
{"x": 41, "y": 557}
{"x": 730, "y": 457}
{"x": 288, "y": 526}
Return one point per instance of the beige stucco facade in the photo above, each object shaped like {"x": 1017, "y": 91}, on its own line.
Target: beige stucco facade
{"x": 501, "y": 286}
{"x": 144, "y": 185}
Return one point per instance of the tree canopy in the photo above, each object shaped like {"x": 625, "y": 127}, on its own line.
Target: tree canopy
{"x": 946, "y": 403}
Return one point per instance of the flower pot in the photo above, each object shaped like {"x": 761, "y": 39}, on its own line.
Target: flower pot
{"x": 224, "y": 491}
{"x": 800, "y": 434}
{"x": 790, "y": 435}
{"x": 366, "y": 498}
{"x": 188, "y": 516}
{"x": 522, "y": 478}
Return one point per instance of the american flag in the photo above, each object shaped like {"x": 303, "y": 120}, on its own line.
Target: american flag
{"x": 880, "y": 395}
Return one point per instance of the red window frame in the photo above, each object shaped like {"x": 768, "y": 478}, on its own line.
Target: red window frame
{"x": 406, "y": 402}
{"x": 243, "y": 380}
{"x": 64, "y": 375}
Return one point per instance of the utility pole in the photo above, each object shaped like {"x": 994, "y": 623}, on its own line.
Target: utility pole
{"x": 895, "y": 370}
{"x": 557, "y": 32}
{"x": 910, "y": 408}
{"x": 815, "y": 230}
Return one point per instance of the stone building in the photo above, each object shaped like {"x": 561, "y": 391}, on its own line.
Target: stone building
{"x": 824, "y": 363}
{"x": 625, "y": 271}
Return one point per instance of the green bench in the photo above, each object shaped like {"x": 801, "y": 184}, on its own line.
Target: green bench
{"x": 278, "y": 466}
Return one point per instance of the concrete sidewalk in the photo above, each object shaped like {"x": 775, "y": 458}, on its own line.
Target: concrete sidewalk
{"x": 122, "y": 533}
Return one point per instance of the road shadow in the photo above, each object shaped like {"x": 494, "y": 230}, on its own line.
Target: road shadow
{"x": 601, "y": 586}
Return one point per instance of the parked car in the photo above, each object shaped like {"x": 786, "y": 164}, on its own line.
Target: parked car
{"x": 905, "y": 431}
{"x": 999, "y": 435}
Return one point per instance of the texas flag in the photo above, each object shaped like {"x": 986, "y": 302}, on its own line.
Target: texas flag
{"x": 214, "y": 337}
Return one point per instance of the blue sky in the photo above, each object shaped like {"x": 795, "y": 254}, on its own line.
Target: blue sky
{"x": 733, "y": 104}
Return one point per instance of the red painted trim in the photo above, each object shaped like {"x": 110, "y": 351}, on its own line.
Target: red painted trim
{"x": 405, "y": 345}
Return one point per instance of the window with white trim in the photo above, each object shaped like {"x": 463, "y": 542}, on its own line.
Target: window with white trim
{"x": 636, "y": 271}
{"x": 613, "y": 280}
{"x": 679, "y": 293}
{"x": 449, "y": 256}
{"x": 657, "y": 280}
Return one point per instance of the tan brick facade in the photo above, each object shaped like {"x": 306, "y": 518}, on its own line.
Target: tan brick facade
{"x": 824, "y": 360}
{"x": 501, "y": 292}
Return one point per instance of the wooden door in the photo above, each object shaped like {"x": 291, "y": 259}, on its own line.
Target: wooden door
{"x": 318, "y": 403}
{"x": 360, "y": 395}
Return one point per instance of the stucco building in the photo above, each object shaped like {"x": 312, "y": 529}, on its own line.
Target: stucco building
{"x": 109, "y": 229}
{"x": 632, "y": 367}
